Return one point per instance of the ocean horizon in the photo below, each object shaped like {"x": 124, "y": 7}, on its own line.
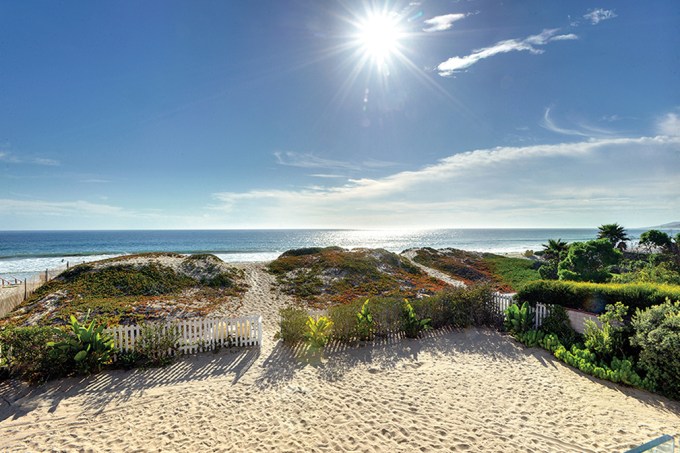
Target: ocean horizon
{"x": 25, "y": 253}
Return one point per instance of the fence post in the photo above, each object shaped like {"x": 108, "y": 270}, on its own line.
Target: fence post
{"x": 46, "y": 275}
{"x": 25, "y": 290}
{"x": 67, "y": 265}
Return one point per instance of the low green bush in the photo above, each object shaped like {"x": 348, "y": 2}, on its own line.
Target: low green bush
{"x": 657, "y": 334}
{"x": 345, "y": 321}
{"x": 89, "y": 346}
{"x": 25, "y": 354}
{"x": 318, "y": 331}
{"x": 519, "y": 319}
{"x": 594, "y": 297}
{"x": 412, "y": 325}
{"x": 607, "y": 340}
{"x": 558, "y": 323}
{"x": 157, "y": 344}
{"x": 292, "y": 325}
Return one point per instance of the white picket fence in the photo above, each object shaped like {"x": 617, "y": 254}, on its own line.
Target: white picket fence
{"x": 503, "y": 301}
{"x": 199, "y": 334}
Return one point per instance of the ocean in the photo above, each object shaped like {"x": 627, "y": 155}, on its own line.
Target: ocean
{"x": 25, "y": 253}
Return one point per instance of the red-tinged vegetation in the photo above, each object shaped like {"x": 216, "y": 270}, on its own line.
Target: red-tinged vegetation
{"x": 321, "y": 277}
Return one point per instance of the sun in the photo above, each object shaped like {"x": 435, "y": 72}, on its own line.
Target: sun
{"x": 379, "y": 36}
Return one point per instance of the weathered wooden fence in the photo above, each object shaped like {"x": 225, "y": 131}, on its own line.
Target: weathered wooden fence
{"x": 198, "y": 334}
{"x": 11, "y": 295}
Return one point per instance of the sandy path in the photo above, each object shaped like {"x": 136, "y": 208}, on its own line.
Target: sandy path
{"x": 410, "y": 254}
{"x": 471, "y": 390}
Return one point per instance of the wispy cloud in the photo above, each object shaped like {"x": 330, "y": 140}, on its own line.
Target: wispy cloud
{"x": 309, "y": 160}
{"x": 57, "y": 208}
{"x": 442, "y": 23}
{"x": 584, "y": 130}
{"x": 568, "y": 184}
{"x": 530, "y": 44}
{"x": 598, "y": 15}
{"x": 14, "y": 159}
{"x": 669, "y": 124}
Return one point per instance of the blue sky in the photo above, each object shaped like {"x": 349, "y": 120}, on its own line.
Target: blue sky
{"x": 289, "y": 114}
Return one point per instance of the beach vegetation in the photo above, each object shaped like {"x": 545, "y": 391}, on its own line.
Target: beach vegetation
{"x": 322, "y": 277}
{"x": 24, "y": 353}
{"x": 88, "y": 345}
{"x": 131, "y": 289}
{"x": 589, "y": 261}
{"x": 292, "y": 325}
{"x": 157, "y": 344}
{"x": 656, "y": 331}
{"x": 412, "y": 325}
{"x": 519, "y": 319}
{"x": 318, "y": 331}
{"x": 656, "y": 239}
{"x": 594, "y": 297}
{"x": 558, "y": 324}
{"x": 503, "y": 273}
{"x": 364, "y": 325}
{"x": 607, "y": 340}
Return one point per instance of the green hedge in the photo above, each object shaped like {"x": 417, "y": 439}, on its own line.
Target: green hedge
{"x": 593, "y": 297}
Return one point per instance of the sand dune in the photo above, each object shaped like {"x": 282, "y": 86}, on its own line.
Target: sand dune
{"x": 470, "y": 390}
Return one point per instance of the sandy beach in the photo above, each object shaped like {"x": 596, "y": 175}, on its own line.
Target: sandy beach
{"x": 469, "y": 390}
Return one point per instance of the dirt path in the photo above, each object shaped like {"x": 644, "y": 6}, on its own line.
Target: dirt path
{"x": 410, "y": 254}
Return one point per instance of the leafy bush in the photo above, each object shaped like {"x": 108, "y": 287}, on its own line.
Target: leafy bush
{"x": 593, "y": 297}
{"x": 293, "y": 325}
{"x": 89, "y": 346}
{"x": 532, "y": 338}
{"x": 606, "y": 341}
{"x": 387, "y": 315}
{"x": 157, "y": 344}
{"x": 589, "y": 261}
{"x": 24, "y": 351}
{"x": 364, "y": 325}
{"x": 412, "y": 325}
{"x": 460, "y": 307}
{"x": 518, "y": 319}
{"x": 657, "y": 334}
{"x": 345, "y": 321}
{"x": 318, "y": 331}
{"x": 557, "y": 322}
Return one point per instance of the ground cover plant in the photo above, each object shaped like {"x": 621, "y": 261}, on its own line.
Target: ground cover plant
{"x": 321, "y": 277}
{"x": 503, "y": 273}
{"x": 135, "y": 288}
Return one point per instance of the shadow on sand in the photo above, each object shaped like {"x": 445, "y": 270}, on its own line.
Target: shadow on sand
{"x": 119, "y": 386}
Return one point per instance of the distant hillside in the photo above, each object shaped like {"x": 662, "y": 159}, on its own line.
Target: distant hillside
{"x": 668, "y": 225}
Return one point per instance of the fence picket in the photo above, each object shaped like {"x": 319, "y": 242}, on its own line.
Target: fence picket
{"x": 198, "y": 335}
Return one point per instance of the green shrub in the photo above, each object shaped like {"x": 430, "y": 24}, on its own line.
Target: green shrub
{"x": 519, "y": 320}
{"x": 24, "y": 351}
{"x": 606, "y": 341}
{"x": 157, "y": 344}
{"x": 89, "y": 346}
{"x": 557, "y": 322}
{"x": 412, "y": 325}
{"x": 345, "y": 321}
{"x": 387, "y": 316}
{"x": 657, "y": 334}
{"x": 593, "y": 297}
{"x": 318, "y": 331}
{"x": 364, "y": 327}
{"x": 532, "y": 338}
{"x": 293, "y": 325}
{"x": 589, "y": 261}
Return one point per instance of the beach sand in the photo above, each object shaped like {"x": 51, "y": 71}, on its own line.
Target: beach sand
{"x": 458, "y": 390}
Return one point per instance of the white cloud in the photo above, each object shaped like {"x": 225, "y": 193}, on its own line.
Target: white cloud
{"x": 13, "y": 159}
{"x": 57, "y": 208}
{"x": 585, "y": 130}
{"x": 568, "y": 184}
{"x": 529, "y": 44}
{"x": 441, "y": 23}
{"x": 598, "y": 15}
{"x": 669, "y": 125}
{"x": 309, "y": 160}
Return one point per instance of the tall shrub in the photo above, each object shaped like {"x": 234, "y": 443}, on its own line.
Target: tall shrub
{"x": 657, "y": 334}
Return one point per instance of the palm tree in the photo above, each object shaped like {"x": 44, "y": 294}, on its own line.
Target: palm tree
{"x": 614, "y": 233}
{"x": 554, "y": 249}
